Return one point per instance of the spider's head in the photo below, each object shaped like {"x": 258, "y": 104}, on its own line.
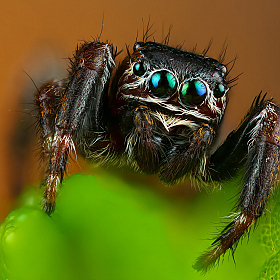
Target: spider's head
{"x": 173, "y": 82}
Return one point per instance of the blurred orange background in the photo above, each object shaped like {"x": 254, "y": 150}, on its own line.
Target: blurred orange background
{"x": 38, "y": 36}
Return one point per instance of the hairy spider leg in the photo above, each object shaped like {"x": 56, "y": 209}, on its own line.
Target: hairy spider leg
{"x": 78, "y": 110}
{"x": 256, "y": 143}
{"x": 47, "y": 100}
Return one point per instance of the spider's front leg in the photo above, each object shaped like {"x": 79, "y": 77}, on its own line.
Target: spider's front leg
{"x": 255, "y": 144}
{"x": 78, "y": 113}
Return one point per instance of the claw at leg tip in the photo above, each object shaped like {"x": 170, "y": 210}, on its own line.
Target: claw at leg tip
{"x": 48, "y": 207}
{"x": 207, "y": 260}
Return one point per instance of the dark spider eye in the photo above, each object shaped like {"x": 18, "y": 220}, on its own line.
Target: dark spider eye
{"x": 139, "y": 68}
{"x": 219, "y": 90}
{"x": 193, "y": 92}
{"x": 137, "y": 45}
{"x": 163, "y": 84}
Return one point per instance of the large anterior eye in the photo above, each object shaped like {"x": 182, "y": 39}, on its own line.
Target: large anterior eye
{"x": 193, "y": 92}
{"x": 163, "y": 84}
{"x": 219, "y": 90}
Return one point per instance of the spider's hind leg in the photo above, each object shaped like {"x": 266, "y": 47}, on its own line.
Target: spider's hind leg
{"x": 255, "y": 144}
{"x": 47, "y": 100}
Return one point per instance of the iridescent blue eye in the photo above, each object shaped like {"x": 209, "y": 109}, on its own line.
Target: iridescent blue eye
{"x": 139, "y": 68}
{"x": 163, "y": 84}
{"x": 193, "y": 92}
{"x": 219, "y": 90}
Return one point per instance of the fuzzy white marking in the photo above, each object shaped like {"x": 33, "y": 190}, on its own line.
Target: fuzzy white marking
{"x": 111, "y": 63}
{"x": 254, "y": 133}
{"x": 169, "y": 122}
{"x": 68, "y": 143}
{"x": 212, "y": 103}
{"x": 53, "y": 181}
{"x": 242, "y": 219}
{"x": 130, "y": 144}
{"x": 179, "y": 110}
{"x": 202, "y": 165}
{"x": 48, "y": 144}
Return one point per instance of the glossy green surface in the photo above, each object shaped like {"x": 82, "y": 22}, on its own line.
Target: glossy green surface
{"x": 104, "y": 228}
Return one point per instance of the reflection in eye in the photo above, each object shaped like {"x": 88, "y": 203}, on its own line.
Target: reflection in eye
{"x": 139, "y": 68}
{"x": 193, "y": 92}
{"x": 219, "y": 90}
{"x": 163, "y": 84}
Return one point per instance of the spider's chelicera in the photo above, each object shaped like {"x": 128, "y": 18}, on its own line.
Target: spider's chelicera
{"x": 159, "y": 113}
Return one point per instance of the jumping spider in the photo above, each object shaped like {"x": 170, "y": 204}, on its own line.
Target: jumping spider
{"x": 160, "y": 113}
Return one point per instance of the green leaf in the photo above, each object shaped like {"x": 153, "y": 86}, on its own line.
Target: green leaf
{"x": 106, "y": 229}
{"x": 270, "y": 240}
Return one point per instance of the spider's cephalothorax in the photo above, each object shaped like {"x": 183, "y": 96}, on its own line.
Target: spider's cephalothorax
{"x": 160, "y": 114}
{"x": 165, "y": 106}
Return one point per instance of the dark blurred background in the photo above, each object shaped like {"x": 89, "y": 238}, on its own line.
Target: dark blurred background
{"x": 37, "y": 37}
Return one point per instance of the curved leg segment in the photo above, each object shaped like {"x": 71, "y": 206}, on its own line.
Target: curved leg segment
{"x": 260, "y": 138}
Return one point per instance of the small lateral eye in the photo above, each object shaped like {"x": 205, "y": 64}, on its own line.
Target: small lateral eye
{"x": 163, "y": 84}
{"x": 193, "y": 92}
{"x": 139, "y": 68}
{"x": 219, "y": 90}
